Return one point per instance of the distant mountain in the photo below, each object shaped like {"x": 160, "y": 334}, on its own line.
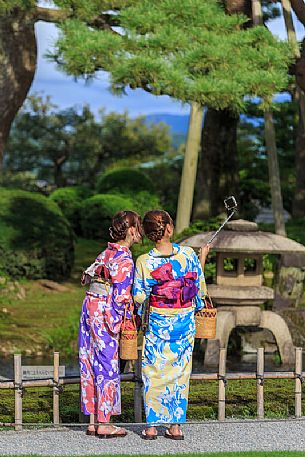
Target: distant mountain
{"x": 178, "y": 123}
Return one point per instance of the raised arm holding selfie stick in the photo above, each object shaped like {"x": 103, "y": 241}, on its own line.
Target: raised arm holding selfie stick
{"x": 231, "y": 207}
{"x": 206, "y": 318}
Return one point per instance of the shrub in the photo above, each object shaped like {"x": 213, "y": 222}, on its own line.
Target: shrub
{"x": 70, "y": 199}
{"x": 36, "y": 240}
{"x": 97, "y": 211}
{"x": 145, "y": 201}
{"x": 124, "y": 180}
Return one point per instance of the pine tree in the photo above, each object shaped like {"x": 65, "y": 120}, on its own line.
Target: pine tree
{"x": 192, "y": 51}
{"x": 18, "y": 49}
{"x": 189, "y": 50}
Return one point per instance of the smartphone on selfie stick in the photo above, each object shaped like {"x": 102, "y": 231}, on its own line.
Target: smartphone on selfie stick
{"x": 231, "y": 207}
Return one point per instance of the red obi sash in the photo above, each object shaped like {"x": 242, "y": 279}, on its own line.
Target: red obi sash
{"x": 170, "y": 292}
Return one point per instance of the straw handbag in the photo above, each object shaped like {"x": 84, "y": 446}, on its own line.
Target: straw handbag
{"x": 205, "y": 320}
{"x": 129, "y": 339}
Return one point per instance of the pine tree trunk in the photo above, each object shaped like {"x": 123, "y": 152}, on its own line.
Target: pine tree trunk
{"x": 273, "y": 164}
{"x": 298, "y": 205}
{"x": 274, "y": 175}
{"x": 218, "y": 166}
{"x": 58, "y": 175}
{"x": 18, "y": 55}
{"x": 189, "y": 170}
{"x": 218, "y": 161}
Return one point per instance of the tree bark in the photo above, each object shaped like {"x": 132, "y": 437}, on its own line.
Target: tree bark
{"x": 298, "y": 205}
{"x": 58, "y": 175}
{"x": 218, "y": 162}
{"x": 189, "y": 170}
{"x": 299, "y": 9}
{"x": 239, "y": 6}
{"x": 274, "y": 175}
{"x": 218, "y": 167}
{"x": 18, "y": 56}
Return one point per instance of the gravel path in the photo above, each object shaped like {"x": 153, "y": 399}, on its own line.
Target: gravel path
{"x": 206, "y": 437}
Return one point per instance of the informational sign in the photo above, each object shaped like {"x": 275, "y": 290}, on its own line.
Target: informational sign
{"x": 41, "y": 372}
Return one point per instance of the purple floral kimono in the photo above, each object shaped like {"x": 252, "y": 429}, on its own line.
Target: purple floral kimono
{"x": 100, "y": 324}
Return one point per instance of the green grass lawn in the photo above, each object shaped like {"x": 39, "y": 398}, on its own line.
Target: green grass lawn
{"x": 46, "y": 319}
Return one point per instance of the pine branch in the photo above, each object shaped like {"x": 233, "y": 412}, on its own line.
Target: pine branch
{"x": 49, "y": 14}
{"x": 103, "y": 21}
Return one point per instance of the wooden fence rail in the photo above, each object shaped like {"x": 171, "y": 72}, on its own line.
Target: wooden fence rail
{"x": 222, "y": 377}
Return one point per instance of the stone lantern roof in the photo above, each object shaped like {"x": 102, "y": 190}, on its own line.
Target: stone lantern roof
{"x": 244, "y": 236}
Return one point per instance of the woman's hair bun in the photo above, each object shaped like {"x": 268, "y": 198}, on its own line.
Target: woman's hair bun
{"x": 121, "y": 222}
{"x": 154, "y": 224}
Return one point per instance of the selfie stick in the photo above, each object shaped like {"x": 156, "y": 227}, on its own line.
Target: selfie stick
{"x": 233, "y": 210}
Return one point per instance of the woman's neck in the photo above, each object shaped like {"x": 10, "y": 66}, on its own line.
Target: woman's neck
{"x": 126, "y": 243}
{"x": 164, "y": 246}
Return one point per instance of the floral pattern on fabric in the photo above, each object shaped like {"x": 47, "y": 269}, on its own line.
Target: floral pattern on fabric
{"x": 168, "y": 344}
{"x": 167, "y": 364}
{"x": 183, "y": 261}
{"x": 100, "y": 324}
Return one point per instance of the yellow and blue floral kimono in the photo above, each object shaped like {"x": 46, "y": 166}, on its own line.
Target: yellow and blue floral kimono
{"x": 175, "y": 286}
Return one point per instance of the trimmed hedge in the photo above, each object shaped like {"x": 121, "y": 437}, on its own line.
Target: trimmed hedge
{"x": 124, "y": 180}
{"x": 97, "y": 211}
{"x": 70, "y": 199}
{"x": 145, "y": 201}
{"x": 36, "y": 240}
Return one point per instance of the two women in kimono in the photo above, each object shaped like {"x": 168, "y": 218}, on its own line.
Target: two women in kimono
{"x": 170, "y": 277}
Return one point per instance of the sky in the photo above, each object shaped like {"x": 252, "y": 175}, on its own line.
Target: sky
{"x": 66, "y": 92}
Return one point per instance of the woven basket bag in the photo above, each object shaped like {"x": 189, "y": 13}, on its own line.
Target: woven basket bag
{"x": 206, "y": 320}
{"x": 129, "y": 339}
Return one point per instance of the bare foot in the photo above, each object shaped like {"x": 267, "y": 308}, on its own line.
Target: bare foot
{"x": 149, "y": 433}
{"x": 110, "y": 430}
{"x": 175, "y": 430}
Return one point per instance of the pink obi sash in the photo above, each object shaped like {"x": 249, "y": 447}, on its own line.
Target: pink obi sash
{"x": 170, "y": 292}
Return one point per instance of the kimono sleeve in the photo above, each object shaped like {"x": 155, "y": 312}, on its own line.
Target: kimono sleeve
{"x": 122, "y": 280}
{"x": 200, "y": 282}
{"x": 141, "y": 286}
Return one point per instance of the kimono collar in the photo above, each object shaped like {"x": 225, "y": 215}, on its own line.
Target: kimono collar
{"x": 119, "y": 247}
{"x": 155, "y": 253}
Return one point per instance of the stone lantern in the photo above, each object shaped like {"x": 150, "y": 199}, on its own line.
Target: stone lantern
{"x": 239, "y": 292}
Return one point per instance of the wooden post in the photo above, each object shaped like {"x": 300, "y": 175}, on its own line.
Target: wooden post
{"x": 138, "y": 389}
{"x": 260, "y": 383}
{"x": 222, "y": 385}
{"x": 56, "y": 389}
{"x": 18, "y": 391}
{"x": 298, "y": 382}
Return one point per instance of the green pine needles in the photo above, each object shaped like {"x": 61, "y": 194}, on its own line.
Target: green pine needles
{"x": 189, "y": 50}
